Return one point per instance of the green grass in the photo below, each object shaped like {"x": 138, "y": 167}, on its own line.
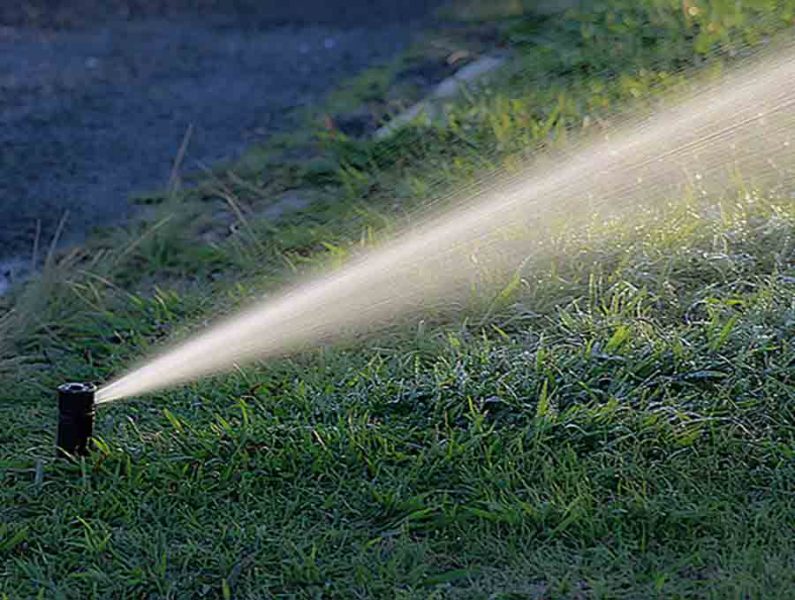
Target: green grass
{"x": 617, "y": 425}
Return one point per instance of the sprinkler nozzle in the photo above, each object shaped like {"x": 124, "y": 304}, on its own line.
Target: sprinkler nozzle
{"x": 75, "y": 419}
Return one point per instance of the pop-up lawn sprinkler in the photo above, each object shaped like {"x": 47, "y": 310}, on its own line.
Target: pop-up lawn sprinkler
{"x": 76, "y": 409}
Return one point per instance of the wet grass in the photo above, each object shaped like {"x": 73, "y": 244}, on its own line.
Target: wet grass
{"x": 617, "y": 422}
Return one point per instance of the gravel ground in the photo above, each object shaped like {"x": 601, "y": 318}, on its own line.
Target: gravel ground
{"x": 93, "y": 110}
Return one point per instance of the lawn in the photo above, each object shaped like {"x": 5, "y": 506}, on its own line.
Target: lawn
{"x": 618, "y": 422}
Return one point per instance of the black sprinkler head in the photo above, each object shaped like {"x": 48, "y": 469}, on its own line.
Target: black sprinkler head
{"x": 75, "y": 419}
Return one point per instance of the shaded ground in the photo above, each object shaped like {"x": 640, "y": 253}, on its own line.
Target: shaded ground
{"x": 94, "y": 109}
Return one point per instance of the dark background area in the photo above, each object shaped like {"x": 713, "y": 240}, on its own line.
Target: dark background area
{"x": 81, "y": 13}
{"x": 96, "y": 96}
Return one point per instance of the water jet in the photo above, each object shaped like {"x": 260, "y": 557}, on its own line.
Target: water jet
{"x": 76, "y": 409}
{"x": 698, "y": 147}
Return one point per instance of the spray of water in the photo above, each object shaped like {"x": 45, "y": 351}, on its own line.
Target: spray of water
{"x": 742, "y": 125}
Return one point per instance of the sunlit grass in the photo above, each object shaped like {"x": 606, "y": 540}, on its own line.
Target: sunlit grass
{"x": 620, "y": 420}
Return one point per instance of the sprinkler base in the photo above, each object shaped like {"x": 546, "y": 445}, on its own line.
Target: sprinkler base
{"x": 76, "y": 409}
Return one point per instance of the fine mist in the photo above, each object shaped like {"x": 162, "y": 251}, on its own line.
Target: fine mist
{"x": 742, "y": 125}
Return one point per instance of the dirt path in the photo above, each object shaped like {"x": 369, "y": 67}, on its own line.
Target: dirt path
{"x": 92, "y": 114}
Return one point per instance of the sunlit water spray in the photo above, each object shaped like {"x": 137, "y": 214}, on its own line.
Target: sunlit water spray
{"x": 742, "y": 126}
